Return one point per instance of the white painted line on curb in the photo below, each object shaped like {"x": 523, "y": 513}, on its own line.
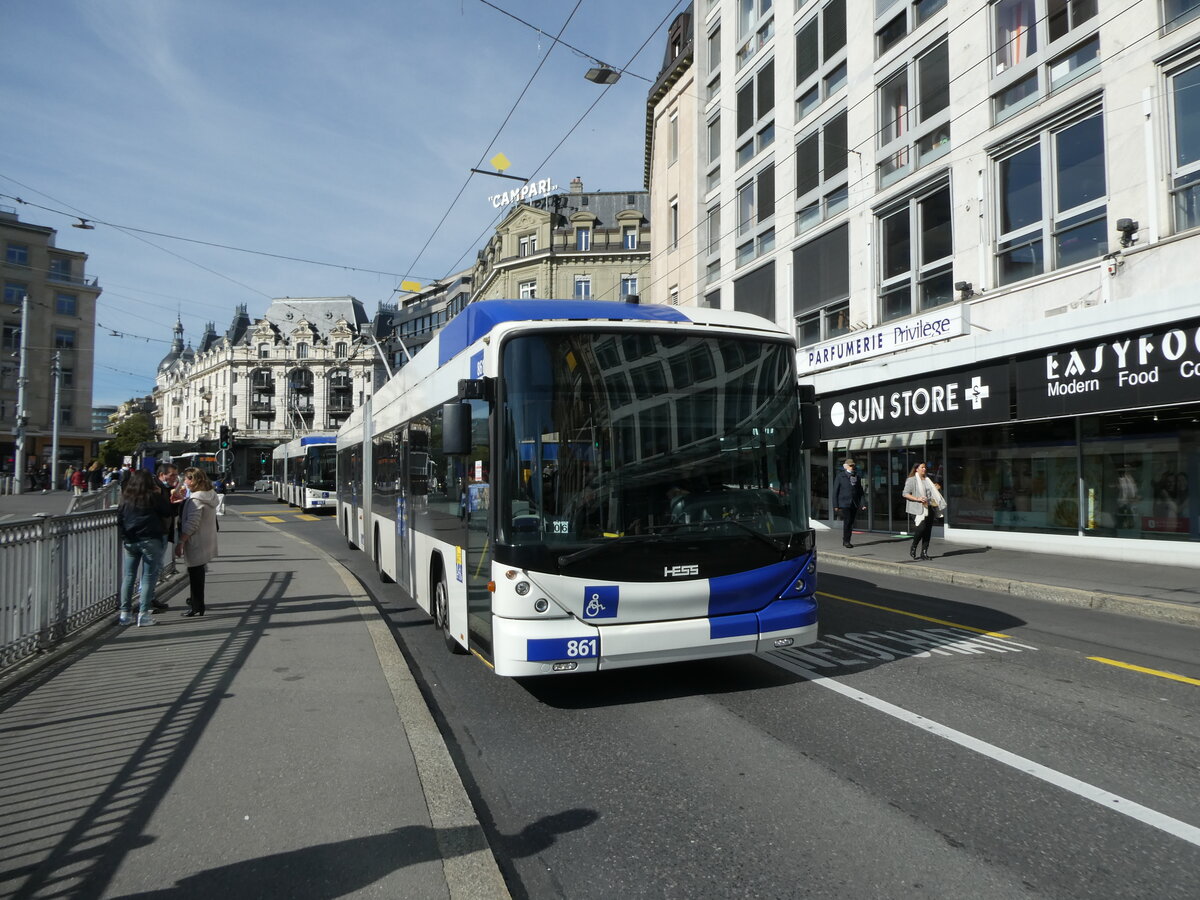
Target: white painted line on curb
{"x": 1144, "y": 814}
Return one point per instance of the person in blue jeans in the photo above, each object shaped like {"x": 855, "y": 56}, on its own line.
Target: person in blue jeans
{"x": 141, "y": 521}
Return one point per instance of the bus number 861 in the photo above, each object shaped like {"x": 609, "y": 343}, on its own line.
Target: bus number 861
{"x": 583, "y": 647}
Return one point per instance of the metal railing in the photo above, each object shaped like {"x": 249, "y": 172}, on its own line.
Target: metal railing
{"x": 57, "y": 574}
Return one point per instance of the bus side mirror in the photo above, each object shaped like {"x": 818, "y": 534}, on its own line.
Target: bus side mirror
{"x": 810, "y": 417}
{"x": 456, "y": 429}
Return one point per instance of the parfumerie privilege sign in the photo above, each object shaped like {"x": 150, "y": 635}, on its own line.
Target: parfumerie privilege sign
{"x": 890, "y": 338}
{"x": 1135, "y": 370}
{"x": 975, "y": 396}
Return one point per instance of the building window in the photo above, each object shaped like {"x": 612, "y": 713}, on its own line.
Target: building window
{"x": 302, "y": 351}
{"x": 629, "y": 285}
{"x": 714, "y": 229}
{"x": 64, "y": 339}
{"x": 1051, "y": 198}
{"x": 756, "y": 26}
{"x": 629, "y": 237}
{"x": 891, "y": 30}
{"x": 674, "y": 224}
{"x": 14, "y": 292}
{"x": 66, "y": 304}
{"x": 914, "y": 112}
{"x": 916, "y": 255}
{"x": 714, "y": 140}
{"x": 583, "y": 239}
{"x": 673, "y": 296}
{"x": 66, "y": 378}
{"x": 12, "y": 337}
{"x": 821, "y": 287}
{"x": 66, "y": 415}
{"x": 17, "y": 254}
{"x": 583, "y": 287}
{"x": 264, "y": 351}
{"x": 341, "y": 350}
{"x": 755, "y": 208}
{"x": 1040, "y": 46}
{"x": 527, "y": 245}
{"x": 527, "y": 290}
{"x": 822, "y": 167}
{"x": 820, "y": 57}
{"x": 1185, "y": 151}
{"x": 60, "y": 269}
{"x": 673, "y": 139}
{"x": 1179, "y": 12}
{"x": 756, "y": 99}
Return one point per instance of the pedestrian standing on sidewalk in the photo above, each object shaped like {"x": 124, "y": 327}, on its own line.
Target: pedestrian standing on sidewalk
{"x": 926, "y": 505}
{"x": 198, "y": 529}
{"x": 95, "y": 476}
{"x": 78, "y": 479}
{"x": 847, "y": 498}
{"x": 140, "y": 517}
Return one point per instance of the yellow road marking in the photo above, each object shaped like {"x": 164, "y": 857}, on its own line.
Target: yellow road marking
{"x": 306, "y": 517}
{"x": 901, "y": 612}
{"x": 1158, "y": 672}
{"x": 271, "y": 519}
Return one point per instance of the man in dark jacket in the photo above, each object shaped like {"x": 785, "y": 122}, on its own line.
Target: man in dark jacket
{"x": 848, "y": 498}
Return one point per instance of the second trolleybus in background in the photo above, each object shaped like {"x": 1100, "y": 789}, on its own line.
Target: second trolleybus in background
{"x": 305, "y": 472}
{"x": 573, "y": 485}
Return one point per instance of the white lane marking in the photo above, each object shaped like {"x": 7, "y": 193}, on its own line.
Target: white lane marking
{"x": 1144, "y": 814}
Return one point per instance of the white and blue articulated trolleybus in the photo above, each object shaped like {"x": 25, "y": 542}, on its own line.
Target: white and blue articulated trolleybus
{"x": 575, "y": 485}
{"x": 305, "y": 470}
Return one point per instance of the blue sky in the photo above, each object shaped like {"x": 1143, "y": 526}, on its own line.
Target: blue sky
{"x": 335, "y": 132}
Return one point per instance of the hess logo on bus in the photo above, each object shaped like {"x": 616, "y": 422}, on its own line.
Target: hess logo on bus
{"x": 680, "y": 571}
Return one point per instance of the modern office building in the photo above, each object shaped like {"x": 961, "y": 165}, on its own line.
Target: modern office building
{"x": 61, "y": 322}
{"x": 979, "y": 221}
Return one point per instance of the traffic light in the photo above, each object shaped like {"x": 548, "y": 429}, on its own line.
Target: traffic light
{"x": 224, "y": 442}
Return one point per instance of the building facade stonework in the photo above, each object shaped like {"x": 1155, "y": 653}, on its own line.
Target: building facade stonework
{"x": 301, "y": 368}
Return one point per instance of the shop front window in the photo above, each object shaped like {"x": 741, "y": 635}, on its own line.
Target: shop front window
{"x": 1138, "y": 473}
{"x": 1021, "y": 477}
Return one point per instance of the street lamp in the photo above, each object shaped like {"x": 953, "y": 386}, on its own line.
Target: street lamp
{"x": 602, "y": 74}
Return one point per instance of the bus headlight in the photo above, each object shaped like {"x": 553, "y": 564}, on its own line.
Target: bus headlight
{"x": 541, "y": 605}
{"x": 522, "y": 588}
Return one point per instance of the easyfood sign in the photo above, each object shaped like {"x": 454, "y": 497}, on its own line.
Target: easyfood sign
{"x": 890, "y": 338}
{"x": 1134, "y": 370}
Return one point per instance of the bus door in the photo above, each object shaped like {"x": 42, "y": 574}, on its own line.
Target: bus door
{"x": 475, "y": 501}
{"x": 404, "y": 540}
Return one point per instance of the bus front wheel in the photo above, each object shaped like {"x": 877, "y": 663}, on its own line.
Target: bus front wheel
{"x": 441, "y": 615}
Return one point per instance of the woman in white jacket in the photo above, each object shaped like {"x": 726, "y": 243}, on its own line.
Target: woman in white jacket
{"x": 925, "y": 504}
{"x": 198, "y": 530}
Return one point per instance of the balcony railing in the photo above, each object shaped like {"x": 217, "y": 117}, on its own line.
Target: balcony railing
{"x": 262, "y": 407}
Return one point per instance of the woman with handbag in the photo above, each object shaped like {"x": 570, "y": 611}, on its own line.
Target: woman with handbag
{"x": 926, "y": 505}
{"x": 198, "y": 530}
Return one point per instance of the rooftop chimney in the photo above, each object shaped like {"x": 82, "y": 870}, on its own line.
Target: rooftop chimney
{"x": 576, "y": 185}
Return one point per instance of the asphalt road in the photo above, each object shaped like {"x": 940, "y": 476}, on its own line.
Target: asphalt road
{"x": 938, "y": 742}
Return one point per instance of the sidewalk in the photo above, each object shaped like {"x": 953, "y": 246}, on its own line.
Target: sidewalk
{"x": 1150, "y": 590}
{"x": 14, "y": 507}
{"x": 278, "y": 746}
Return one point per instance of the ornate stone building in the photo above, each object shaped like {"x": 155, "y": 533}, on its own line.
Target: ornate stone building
{"x": 589, "y": 246}
{"x": 302, "y": 367}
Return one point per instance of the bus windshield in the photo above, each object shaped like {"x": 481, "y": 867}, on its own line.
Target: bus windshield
{"x": 648, "y": 436}
{"x": 321, "y": 469}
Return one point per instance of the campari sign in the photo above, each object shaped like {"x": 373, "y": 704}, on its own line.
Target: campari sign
{"x": 1135, "y": 370}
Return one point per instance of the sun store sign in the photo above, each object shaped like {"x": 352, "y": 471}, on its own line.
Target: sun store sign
{"x": 527, "y": 191}
{"x": 890, "y": 338}
{"x": 957, "y": 399}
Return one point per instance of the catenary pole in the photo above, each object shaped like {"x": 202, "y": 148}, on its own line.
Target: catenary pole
{"x": 54, "y": 428}
{"x": 22, "y": 414}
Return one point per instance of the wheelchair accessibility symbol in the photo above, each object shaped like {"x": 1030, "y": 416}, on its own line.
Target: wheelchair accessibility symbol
{"x": 600, "y": 601}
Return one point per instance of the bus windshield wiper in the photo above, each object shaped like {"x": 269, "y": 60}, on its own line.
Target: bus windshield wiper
{"x": 704, "y": 526}
{"x": 593, "y": 549}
